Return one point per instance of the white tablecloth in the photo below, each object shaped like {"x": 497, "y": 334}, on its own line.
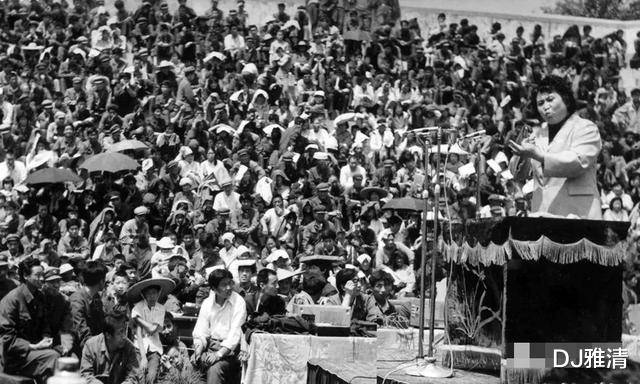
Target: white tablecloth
{"x": 282, "y": 359}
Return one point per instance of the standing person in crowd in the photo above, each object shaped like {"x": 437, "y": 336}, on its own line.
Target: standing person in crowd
{"x": 565, "y": 175}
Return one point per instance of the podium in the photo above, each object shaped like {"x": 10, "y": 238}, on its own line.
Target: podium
{"x": 534, "y": 280}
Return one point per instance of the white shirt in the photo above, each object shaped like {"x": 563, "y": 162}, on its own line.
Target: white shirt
{"x": 232, "y": 201}
{"x": 272, "y": 222}
{"x": 232, "y": 44}
{"x": 18, "y": 173}
{"x": 154, "y": 315}
{"x": 627, "y": 203}
{"x": 7, "y": 113}
{"x": 217, "y": 170}
{"x": 221, "y": 322}
{"x": 346, "y": 175}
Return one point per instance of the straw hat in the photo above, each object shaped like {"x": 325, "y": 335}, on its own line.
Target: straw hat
{"x": 134, "y": 294}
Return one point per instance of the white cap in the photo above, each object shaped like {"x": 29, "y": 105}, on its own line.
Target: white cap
{"x": 165, "y": 243}
{"x": 321, "y": 156}
{"x": 241, "y": 250}
{"x": 227, "y": 236}
{"x": 277, "y": 254}
{"x": 361, "y": 259}
{"x": 147, "y": 164}
{"x": 64, "y": 268}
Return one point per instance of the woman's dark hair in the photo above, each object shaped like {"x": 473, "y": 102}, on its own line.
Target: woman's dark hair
{"x": 93, "y": 272}
{"x": 395, "y": 255}
{"x": 556, "y": 84}
{"x": 24, "y": 268}
{"x": 112, "y": 320}
{"x": 313, "y": 283}
{"x": 613, "y": 201}
{"x": 343, "y": 277}
{"x": 380, "y": 275}
{"x": 216, "y": 277}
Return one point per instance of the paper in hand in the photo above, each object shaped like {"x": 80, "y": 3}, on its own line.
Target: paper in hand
{"x": 506, "y": 175}
{"x": 528, "y": 187}
{"x": 467, "y": 170}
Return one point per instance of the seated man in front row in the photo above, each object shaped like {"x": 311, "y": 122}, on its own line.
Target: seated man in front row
{"x": 218, "y": 330}
{"x": 363, "y": 306}
{"x": 110, "y": 358}
{"x": 25, "y": 335}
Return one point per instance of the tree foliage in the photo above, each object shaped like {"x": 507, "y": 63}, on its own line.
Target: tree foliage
{"x": 601, "y": 9}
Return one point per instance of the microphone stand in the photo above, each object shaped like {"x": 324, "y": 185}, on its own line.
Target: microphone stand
{"x": 426, "y": 367}
{"x": 479, "y": 159}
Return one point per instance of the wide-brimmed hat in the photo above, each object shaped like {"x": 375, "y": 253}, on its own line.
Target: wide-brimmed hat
{"x": 320, "y": 259}
{"x": 365, "y": 193}
{"x": 52, "y": 274}
{"x": 134, "y": 294}
{"x": 284, "y": 274}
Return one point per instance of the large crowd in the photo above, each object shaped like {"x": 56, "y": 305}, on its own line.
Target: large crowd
{"x": 260, "y": 160}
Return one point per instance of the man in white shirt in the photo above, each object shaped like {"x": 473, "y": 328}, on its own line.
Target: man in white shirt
{"x": 348, "y": 171}
{"x": 234, "y": 42}
{"x": 228, "y": 199}
{"x": 272, "y": 221}
{"x": 217, "y": 333}
{"x": 10, "y": 167}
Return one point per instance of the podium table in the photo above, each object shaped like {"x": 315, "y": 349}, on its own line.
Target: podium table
{"x": 534, "y": 280}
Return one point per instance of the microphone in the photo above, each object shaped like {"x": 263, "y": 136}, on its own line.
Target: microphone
{"x": 476, "y": 133}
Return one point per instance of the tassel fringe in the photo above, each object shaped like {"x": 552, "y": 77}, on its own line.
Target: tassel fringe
{"x": 495, "y": 254}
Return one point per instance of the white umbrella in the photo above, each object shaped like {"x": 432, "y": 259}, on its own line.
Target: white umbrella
{"x": 218, "y": 55}
{"x": 269, "y": 128}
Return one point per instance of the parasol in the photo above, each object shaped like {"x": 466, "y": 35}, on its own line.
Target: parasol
{"x": 127, "y": 145}
{"x": 109, "y": 162}
{"x": 52, "y": 176}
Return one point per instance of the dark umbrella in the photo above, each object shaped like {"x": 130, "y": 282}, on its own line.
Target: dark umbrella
{"x": 405, "y": 204}
{"x": 52, "y": 176}
{"x": 109, "y": 162}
